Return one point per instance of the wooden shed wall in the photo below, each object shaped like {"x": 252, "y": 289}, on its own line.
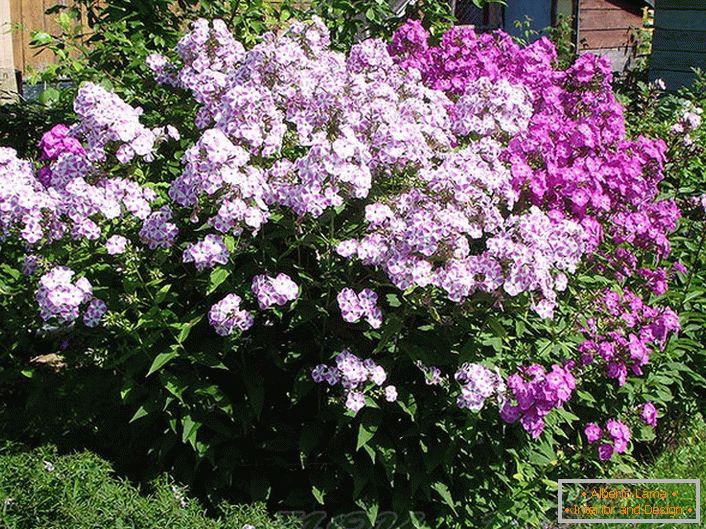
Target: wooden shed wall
{"x": 679, "y": 42}
{"x": 30, "y": 16}
{"x": 607, "y": 24}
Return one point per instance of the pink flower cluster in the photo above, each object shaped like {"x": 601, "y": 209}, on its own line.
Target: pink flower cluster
{"x": 271, "y": 291}
{"x": 55, "y": 142}
{"x": 624, "y": 332}
{"x": 353, "y": 374}
{"x": 361, "y": 305}
{"x": 562, "y": 139}
{"x": 616, "y": 438}
{"x": 536, "y": 392}
{"x": 227, "y": 316}
{"x": 60, "y": 299}
{"x": 570, "y": 153}
{"x": 648, "y": 414}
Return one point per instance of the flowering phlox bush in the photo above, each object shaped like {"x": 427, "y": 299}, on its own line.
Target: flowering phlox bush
{"x": 383, "y": 225}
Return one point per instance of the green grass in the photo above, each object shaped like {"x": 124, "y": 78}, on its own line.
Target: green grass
{"x": 41, "y": 490}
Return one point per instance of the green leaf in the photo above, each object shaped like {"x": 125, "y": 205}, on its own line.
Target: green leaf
{"x": 445, "y": 494}
{"x": 141, "y": 412}
{"x": 371, "y": 508}
{"x": 409, "y": 408}
{"x": 255, "y": 389}
{"x": 318, "y": 495}
{"x": 191, "y": 428}
{"x": 161, "y": 360}
{"x": 40, "y": 38}
{"x": 393, "y": 301}
{"x": 49, "y": 96}
{"x": 218, "y": 276}
{"x": 162, "y": 294}
{"x": 185, "y": 328}
{"x": 365, "y": 434}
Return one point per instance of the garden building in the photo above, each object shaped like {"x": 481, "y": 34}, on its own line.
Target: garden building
{"x": 606, "y": 27}
{"x": 679, "y": 42}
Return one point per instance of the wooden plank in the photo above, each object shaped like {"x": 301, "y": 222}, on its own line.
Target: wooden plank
{"x": 18, "y": 48}
{"x": 692, "y": 20}
{"x": 677, "y": 61}
{"x": 34, "y": 19}
{"x": 681, "y": 4}
{"x": 665, "y": 39}
{"x": 625, "y": 5}
{"x": 51, "y": 26}
{"x": 598, "y": 4}
{"x": 605, "y": 38}
{"x": 606, "y": 19}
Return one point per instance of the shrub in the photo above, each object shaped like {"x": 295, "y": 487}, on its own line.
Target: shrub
{"x": 407, "y": 277}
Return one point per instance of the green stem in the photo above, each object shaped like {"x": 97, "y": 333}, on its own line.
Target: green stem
{"x": 694, "y": 268}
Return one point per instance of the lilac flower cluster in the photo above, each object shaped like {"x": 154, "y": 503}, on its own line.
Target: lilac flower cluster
{"x": 207, "y": 253}
{"x": 419, "y": 241}
{"x": 492, "y": 108}
{"x": 432, "y": 374}
{"x": 227, "y": 316}
{"x": 60, "y": 298}
{"x": 536, "y": 392}
{"x": 106, "y": 120}
{"x": 158, "y": 230}
{"x": 95, "y": 311}
{"x": 215, "y": 165}
{"x": 353, "y": 374}
{"x": 71, "y": 194}
{"x": 361, "y": 305}
{"x": 209, "y": 53}
{"x": 615, "y": 438}
{"x": 624, "y": 332}
{"x": 271, "y": 291}
{"x": 23, "y": 202}
{"x": 116, "y": 244}
{"x": 478, "y": 383}
{"x": 353, "y": 119}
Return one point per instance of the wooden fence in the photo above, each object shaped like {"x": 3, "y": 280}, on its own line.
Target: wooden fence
{"x": 679, "y": 42}
{"x": 28, "y": 16}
